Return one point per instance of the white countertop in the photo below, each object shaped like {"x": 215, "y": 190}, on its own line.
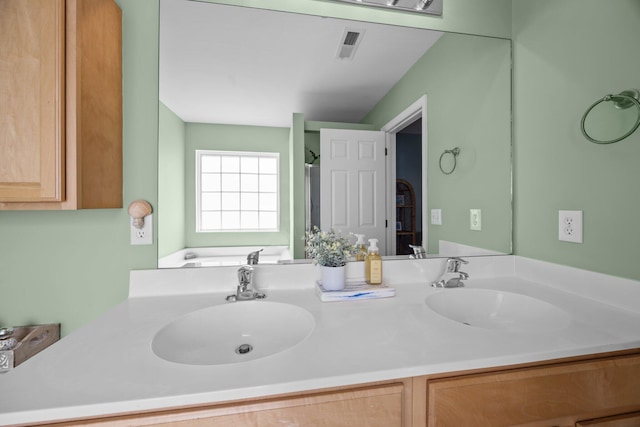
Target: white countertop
{"x": 108, "y": 366}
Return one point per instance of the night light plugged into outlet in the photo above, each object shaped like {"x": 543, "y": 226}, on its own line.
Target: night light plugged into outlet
{"x": 141, "y": 225}
{"x": 570, "y": 226}
{"x": 144, "y": 234}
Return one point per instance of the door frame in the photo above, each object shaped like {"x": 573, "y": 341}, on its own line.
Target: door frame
{"x": 409, "y": 115}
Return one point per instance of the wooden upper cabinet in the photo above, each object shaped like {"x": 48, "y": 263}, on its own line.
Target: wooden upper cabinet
{"x": 60, "y": 104}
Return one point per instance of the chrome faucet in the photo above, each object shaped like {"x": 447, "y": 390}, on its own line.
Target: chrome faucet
{"x": 254, "y": 257}
{"x": 245, "y": 291}
{"x": 452, "y": 266}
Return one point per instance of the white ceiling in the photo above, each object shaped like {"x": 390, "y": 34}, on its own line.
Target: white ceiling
{"x": 237, "y": 65}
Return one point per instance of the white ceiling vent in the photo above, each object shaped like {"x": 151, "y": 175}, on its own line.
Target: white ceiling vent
{"x": 349, "y": 43}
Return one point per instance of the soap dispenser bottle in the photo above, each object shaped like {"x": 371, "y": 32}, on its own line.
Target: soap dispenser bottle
{"x": 373, "y": 264}
{"x": 361, "y": 249}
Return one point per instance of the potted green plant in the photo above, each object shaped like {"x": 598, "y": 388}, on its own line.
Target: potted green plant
{"x": 331, "y": 251}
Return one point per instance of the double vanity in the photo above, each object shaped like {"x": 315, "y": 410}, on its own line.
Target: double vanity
{"x": 523, "y": 342}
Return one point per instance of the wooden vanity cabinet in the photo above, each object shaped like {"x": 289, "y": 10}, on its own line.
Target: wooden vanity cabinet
{"x": 597, "y": 391}
{"x": 564, "y": 394}
{"x": 61, "y": 109}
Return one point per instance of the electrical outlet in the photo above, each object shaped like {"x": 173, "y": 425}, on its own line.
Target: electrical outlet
{"x": 436, "y": 216}
{"x": 144, "y": 235}
{"x": 475, "y": 219}
{"x": 570, "y": 226}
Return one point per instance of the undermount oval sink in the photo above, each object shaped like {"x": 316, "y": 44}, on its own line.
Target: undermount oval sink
{"x": 491, "y": 309}
{"x": 233, "y": 333}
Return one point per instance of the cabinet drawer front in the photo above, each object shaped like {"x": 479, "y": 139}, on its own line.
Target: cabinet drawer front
{"x": 559, "y": 394}
{"x": 376, "y": 406}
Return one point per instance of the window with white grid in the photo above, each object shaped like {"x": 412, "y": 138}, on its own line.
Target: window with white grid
{"x": 237, "y": 191}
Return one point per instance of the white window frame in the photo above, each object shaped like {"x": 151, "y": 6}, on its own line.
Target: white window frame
{"x": 200, "y": 154}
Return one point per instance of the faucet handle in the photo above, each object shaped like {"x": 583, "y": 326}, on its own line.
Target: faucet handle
{"x": 454, "y": 263}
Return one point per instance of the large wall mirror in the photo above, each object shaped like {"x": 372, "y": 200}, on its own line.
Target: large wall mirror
{"x": 240, "y": 79}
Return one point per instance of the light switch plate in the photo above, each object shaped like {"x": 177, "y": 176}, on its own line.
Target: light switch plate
{"x": 144, "y": 235}
{"x": 475, "y": 219}
{"x": 436, "y": 216}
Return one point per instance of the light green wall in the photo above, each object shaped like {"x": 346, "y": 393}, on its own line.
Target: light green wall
{"x": 171, "y": 182}
{"x": 69, "y": 267}
{"x": 568, "y": 54}
{"x": 236, "y": 138}
{"x": 468, "y": 87}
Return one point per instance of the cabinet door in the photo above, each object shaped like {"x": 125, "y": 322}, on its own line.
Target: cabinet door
{"x": 557, "y": 395}
{"x": 32, "y": 76}
{"x": 376, "y": 406}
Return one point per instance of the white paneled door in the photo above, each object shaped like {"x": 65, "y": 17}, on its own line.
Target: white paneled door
{"x": 352, "y": 183}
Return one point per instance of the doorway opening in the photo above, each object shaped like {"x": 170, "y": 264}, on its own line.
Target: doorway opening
{"x": 408, "y": 200}
{"x": 407, "y": 172}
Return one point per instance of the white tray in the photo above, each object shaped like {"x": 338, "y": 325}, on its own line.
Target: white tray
{"x": 355, "y": 290}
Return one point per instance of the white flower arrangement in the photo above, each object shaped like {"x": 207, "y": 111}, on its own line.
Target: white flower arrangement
{"x": 328, "y": 248}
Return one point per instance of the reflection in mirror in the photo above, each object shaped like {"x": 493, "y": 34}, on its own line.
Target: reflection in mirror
{"x": 243, "y": 79}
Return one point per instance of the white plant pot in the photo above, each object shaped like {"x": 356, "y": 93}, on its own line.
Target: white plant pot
{"x": 332, "y": 278}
